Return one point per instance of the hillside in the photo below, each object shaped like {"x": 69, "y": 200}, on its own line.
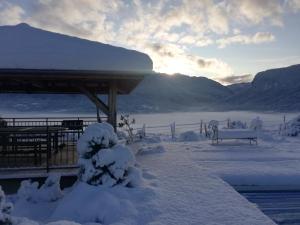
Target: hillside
{"x": 275, "y": 89}
{"x": 156, "y": 93}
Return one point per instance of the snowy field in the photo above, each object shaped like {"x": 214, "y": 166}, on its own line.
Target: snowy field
{"x": 185, "y": 180}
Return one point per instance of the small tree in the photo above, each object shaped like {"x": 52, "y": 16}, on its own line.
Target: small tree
{"x": 102, "y": 161}
{"x": 5, "y": 210}
{"x": 126, "y": 123}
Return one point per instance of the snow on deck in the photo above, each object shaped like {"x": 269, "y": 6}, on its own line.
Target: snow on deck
{"x": 189, "y": 182}
{"x": 189, "y": 194}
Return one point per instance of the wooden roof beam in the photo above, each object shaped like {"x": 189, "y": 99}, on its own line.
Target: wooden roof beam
{"x": 94, "y": 98}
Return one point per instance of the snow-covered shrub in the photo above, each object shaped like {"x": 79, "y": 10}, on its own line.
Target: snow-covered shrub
{"x": 151, "y": 150}
{"x": 28, "y": 190}
{"x": 256, "y": 124}
{"x": 292, "y": 128}
{"x": 212, "y": 128}
{"x": 236, "y": 124}
{"x": 102, "y": 161}
{"x": 48, "y": 192}
{"x": 5, "y": 210}
{"x": 189, "y": 136}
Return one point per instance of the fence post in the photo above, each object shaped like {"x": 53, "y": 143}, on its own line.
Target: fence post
{"x": 205, "y": 130}
{"x": 144, "y": 130}
{"x": 173, "y": 130}
{"x": 280, "y": 127}
{"x": 284, "y": 123}
{"x": 201, "y": 126}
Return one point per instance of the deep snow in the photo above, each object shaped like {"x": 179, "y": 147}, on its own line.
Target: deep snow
{"x": 184, "y": 182}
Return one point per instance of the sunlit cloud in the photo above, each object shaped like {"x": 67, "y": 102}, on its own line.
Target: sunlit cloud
{"x": 236, "y": 79}
{"x": 258, "y": 38}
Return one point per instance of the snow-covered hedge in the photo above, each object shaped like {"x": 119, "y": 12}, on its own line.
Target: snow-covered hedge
{"x": 256, "y": 124}
{"x": 292, "y": 128}
{"x": 104, "y": 162}
{"x": 5, "y": 210}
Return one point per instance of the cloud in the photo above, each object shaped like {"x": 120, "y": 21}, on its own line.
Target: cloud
{"x": 258, "y": 38}
{"x": 10, "y": 14}
{"x": 294, "y": 5}
{"x": 253, "y": 12}
{"x": 236, "y": 79}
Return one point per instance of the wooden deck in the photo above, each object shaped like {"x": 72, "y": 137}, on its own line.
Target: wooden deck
{"x": 283, "y": 207}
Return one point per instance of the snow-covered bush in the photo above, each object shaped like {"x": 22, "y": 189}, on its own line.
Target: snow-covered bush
{"x": 48, "y": 192}
{"x": 102, "y": 161}
{"x": 5, "y": 210}
{"x": 236, "y": 124}
{"x": 212, "y": 128}
{"x": 256, "y": 124}
{"x": 189, "y": 136}
{"x": 151, "y": 150}
{"x": 292, "y": 128}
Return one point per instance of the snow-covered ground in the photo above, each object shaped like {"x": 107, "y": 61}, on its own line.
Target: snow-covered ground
{"x": 185, "y": 181}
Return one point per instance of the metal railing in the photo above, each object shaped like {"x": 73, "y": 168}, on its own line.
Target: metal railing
{"x": 43, "y": 143}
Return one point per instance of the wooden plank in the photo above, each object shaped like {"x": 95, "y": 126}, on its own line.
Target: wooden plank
{"x": 93, "y": 97}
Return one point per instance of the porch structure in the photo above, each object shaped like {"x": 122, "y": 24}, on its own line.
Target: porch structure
{"x": 50, "y": 143}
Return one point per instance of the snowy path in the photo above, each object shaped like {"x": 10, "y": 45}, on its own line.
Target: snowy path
{"x": 190, "y": 195}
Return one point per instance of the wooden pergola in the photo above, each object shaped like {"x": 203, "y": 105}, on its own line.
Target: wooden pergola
{"x": 87, "y": 82}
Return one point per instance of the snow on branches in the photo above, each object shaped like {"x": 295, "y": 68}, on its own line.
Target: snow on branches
{"x": 5, "y": 209}
{"x": 104, "y": 162}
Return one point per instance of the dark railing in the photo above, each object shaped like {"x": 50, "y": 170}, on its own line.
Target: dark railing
{"x": 43, "y": 143}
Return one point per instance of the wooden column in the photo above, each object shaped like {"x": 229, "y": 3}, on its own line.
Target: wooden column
{"x": 112, "y": 105}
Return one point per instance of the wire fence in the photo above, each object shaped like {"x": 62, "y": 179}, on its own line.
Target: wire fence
{"x": 202, "y": 126}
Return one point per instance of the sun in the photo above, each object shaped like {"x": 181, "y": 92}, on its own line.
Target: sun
{"x": 172, "y": 66}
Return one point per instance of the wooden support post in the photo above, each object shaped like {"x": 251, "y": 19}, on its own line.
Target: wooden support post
{"x": 112, "y": 105}
{"x": 98, "y": 115}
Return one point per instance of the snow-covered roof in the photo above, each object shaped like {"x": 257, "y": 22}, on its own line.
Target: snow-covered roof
{"x": 26, "y": 47}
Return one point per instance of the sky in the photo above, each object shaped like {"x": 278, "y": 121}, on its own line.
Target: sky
{"x": 225, "y": 40}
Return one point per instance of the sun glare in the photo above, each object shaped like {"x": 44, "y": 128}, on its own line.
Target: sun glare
{"x": 172, "y": 67}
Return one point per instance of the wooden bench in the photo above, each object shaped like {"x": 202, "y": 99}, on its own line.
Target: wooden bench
{"x": 243, "y": 134}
